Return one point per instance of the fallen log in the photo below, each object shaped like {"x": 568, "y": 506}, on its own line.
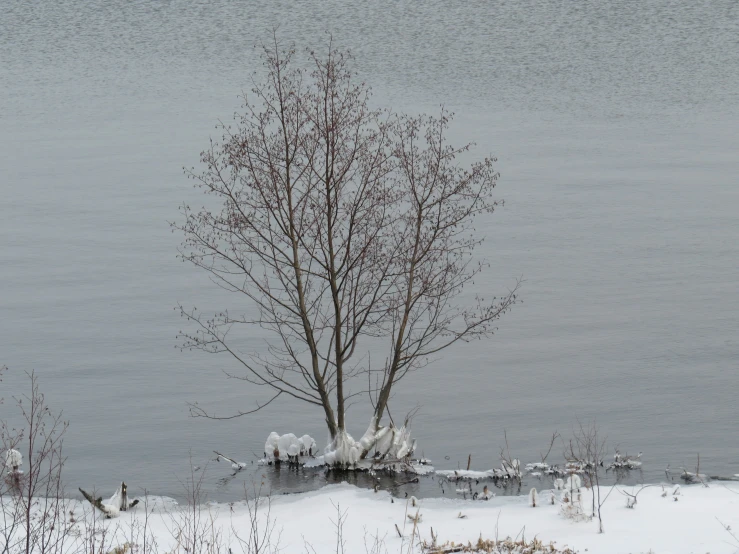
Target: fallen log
{"x": 118, "y": 502}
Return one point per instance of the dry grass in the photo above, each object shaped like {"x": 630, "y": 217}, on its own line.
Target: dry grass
{"x": 501, "y": 546}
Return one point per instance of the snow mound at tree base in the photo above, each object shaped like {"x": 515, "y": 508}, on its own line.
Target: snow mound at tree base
{"x": 388, "y": 448}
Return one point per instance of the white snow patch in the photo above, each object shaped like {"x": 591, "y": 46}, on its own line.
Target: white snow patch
{"x": 390, "y": 447}
{"x": 288, "y": 447}
{"x": 307, "y": 445}
{"x": 13, "y": 459}
{"x": 573, "y": 483}
{"x": 465, "y": 474}
{"x": 537, "y": 466}
{"x": 271, "y": 445}
{"x": 506, "y": 471}
{"x": 285, "y": 441}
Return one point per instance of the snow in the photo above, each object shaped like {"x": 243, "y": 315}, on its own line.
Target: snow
{"x": 573, "y": 482}
{"x": 111, "y": 510}
{"x": 657, "y": 523}
{"x": 271, "y": 444}
{"x": 533, "y": 498}
{"x": 371, "y": 435}
{"x": 288, "y": 447}
{"x": 307, "y": 445}
{"x": 115, "y": 500}
{"x": 465, "y": 474}
{"x": 389, "y": 448}
{"x": 389, "y": 443}
{"x": 537, "y": 466}
{"x": 13, "y": 459}
{"x": 343, "y": 450}
{"x": 285, "y": 441}
{"x": 507, "y": 470}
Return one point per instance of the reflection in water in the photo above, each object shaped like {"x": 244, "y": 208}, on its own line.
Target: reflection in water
{"x": 615, "y": 125}
{"x": 284, "y": 479}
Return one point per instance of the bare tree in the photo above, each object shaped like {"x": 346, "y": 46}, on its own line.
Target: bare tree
{"x": 345, "y": 229}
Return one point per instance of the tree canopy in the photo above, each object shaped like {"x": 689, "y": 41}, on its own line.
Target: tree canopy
{"x": 343, "y": 226}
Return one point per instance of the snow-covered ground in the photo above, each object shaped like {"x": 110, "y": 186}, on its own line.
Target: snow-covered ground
{"x": 656, "y": 523}
{"x": 694, "y": 523}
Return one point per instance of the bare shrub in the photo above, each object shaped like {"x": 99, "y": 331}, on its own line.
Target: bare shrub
{"x": 262, "y": 537}
{"x": 138, "y": 537}
{"x": 375, "y": 544}
{"x": 193, "y": 527}
{"x": 338, "y": 524}
{"x": 96, "y": 536}
{"x": 32, "y": 503}
{"x": 584, "y": 454}
{"x": 632, "y": 496}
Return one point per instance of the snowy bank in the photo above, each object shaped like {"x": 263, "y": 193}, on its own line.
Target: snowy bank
{"x": 657, "y": 523}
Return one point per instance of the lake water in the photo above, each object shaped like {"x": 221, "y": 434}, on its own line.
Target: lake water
{"x": 616, "y": 125}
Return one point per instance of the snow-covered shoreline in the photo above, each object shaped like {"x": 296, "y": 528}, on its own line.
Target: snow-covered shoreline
{"x": 656, "y": 523}
{"x": 694, "y": 523}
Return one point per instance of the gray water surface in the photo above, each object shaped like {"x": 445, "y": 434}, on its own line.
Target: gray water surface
{"x": 616, "y": 126}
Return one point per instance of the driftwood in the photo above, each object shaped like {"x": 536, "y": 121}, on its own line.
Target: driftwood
{"x": 234, "y": 462}
{"x": 97, "y": 502}
{"x": 119, "y": 501}
{"x": 631, "y": 498}
{"x": 236, "y": 466}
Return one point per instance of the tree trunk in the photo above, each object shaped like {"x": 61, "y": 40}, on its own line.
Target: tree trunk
{"x": 124, "y": 497}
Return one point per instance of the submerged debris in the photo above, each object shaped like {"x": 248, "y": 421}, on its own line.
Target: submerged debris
{"x": 625, "y": 462}
{"x": 694, "y": 478}
{"x": 236, "y": 466}
{"x": 507, "y": 470}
